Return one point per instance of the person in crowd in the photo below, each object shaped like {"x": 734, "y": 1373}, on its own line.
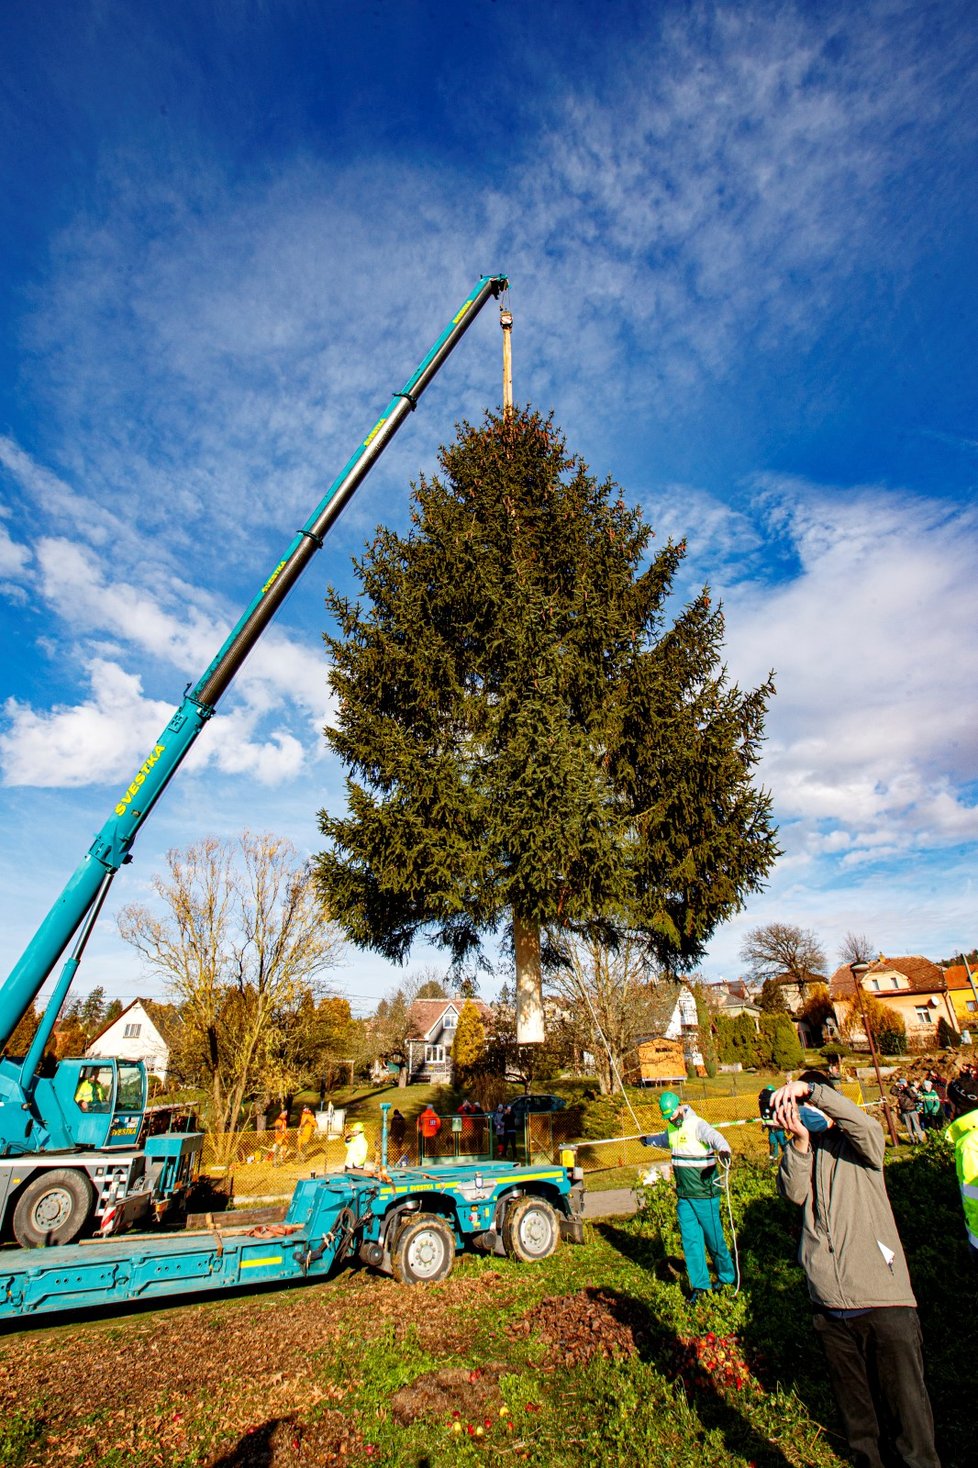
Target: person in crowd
{"x": 307, "y": 1130}
{"x": 509, "y": 1133}
{"x": 280, "y": 1133}
{"x": 865, "y": 1312}
{"x": 931, "y": 1110}
{"x": 498, "y": 1127}
{"x": 962, "y": 1095}
{"x": 908, "y": 1105}
{"x": 696, "y": 1149}
{"x": 466, "y": 1111}
{"x": 429, "y": 1125}
{"x": 940, "y": 1086}
{"x": 397, "y": 1131}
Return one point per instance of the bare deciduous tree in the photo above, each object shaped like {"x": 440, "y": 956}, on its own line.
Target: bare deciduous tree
{"x": 856, "y": 948}
{"x": 611, "y": 999}
{"x": 774, "y": 949}
{"x": 240, "y": 946}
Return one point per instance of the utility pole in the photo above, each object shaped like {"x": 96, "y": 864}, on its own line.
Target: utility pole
{"x": 859, "y": 971}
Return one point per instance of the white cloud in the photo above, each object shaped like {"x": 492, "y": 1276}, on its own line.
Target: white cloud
{"x": 874, "y": 728}
{"x": 95, "y": 741}
{"x": 106, "y": 736}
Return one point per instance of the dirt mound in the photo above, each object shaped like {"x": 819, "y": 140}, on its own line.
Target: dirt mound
{"x": 576, "y": 1328}
{"x": 451, "y": 1392}
{"x": 947, "y": 1065}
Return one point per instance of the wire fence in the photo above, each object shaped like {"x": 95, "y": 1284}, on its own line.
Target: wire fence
{"x": 265, "y": 1166}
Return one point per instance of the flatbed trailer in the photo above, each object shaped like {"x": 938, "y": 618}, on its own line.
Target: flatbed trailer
{"x": 409, "y": 1222}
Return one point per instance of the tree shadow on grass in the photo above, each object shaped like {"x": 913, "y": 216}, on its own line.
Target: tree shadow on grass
{"x": 258, "y": 1448}
{"x": 658, "y": 1345}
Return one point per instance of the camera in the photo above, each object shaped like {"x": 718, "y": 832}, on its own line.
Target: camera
{"x": 764, "y": 1108}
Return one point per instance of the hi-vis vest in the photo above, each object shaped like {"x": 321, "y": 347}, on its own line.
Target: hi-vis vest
{"x": 964, "y": 1134}
{"x": 693, "y": 1162}
{"x": 357, "y": 1151}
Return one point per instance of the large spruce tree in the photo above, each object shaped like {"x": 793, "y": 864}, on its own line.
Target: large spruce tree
{"x": 530, "y": 740}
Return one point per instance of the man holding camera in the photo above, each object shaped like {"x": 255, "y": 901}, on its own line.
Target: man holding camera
{"x": 865, "y": 1310}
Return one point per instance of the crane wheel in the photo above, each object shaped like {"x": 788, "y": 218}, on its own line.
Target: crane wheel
{"x": 53, "y": 1208}
{"x": 424, "y": 1250}
{"x": 530, "y": 1230}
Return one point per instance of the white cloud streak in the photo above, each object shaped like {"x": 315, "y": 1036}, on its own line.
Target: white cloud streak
{"x": 873, "y": 730}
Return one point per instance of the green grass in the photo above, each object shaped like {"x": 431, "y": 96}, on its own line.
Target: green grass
{"x": 363, "y": 1342}
{"x": 20, "y": 1435}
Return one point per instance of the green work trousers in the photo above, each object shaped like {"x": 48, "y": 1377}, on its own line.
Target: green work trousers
{"x": 702, "y": 1230}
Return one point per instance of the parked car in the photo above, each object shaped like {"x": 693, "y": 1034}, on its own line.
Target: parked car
{"x": 524, "y": 1105}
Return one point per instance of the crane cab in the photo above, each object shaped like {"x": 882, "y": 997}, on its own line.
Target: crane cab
{"x": 101, "y": 1101}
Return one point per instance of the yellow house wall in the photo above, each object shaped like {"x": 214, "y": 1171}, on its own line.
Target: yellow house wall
{"x": 906, "y": 1002}
{"x": 961, "y": 998}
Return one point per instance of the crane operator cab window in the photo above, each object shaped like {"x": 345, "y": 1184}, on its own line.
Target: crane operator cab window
{"x": 94, "y": 1089}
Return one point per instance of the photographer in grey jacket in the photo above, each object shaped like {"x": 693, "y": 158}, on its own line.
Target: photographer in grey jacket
{"x": 865, "y": 1310}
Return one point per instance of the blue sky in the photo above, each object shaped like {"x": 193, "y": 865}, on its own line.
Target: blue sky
{"x": 741, "y": 240}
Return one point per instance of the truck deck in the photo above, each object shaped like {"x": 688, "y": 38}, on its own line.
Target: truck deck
{"x": 409, "y": 1222}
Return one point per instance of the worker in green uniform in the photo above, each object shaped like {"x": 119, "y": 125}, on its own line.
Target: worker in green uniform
{"x": 696, "y": 1149}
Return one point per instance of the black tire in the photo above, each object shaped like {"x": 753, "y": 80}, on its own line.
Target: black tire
{"x": 530, "y": 1230}
{"x": 424, "y": 1250}
{"x": 53, "y": 1209}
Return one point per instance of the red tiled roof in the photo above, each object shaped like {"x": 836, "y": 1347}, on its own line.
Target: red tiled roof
{"x": 922, "y": 975}
{"x": 424, "y": 1014}
{"x": 956, "y": 976}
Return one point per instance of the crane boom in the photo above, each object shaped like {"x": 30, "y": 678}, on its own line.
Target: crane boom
{"x": 111, "y": 847}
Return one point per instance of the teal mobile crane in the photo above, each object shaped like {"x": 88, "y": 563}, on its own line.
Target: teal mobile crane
{"x": 73, "y": 1155}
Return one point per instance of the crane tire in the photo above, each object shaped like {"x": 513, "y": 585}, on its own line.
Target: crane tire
{"x": 53, "y": 1208}
{"x": 424, "y": 1250}
{"x": 530, "y": 1230}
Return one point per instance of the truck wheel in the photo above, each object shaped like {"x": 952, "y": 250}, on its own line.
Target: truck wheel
{"x": 530, "y": 1230}
{"x": 424, "y": 1250}
{"x": 53, "y": 1209}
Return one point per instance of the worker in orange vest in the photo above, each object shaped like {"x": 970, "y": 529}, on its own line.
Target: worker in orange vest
{"x": 429, "y": 1125}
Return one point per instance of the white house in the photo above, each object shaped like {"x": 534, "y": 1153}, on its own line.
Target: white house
{"x": 137, "y": 1034}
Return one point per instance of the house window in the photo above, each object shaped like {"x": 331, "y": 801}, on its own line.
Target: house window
{"x": 895, "y": 983}
{"x": 450, "y": 1020}
{"x": 971, "y": 1004}
{"x": 877, "y": 985}
{"x": 132, "y": 1032}
{"x": 434, "y": 1054}
{"x": 924, "y": 1016}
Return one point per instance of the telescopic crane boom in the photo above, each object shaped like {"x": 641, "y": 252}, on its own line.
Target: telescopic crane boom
{"x": 111, "y": 847}
{"x": 57, "y": 1126}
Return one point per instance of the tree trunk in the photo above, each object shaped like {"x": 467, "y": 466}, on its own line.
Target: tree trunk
{"x": 529, "y": 982}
